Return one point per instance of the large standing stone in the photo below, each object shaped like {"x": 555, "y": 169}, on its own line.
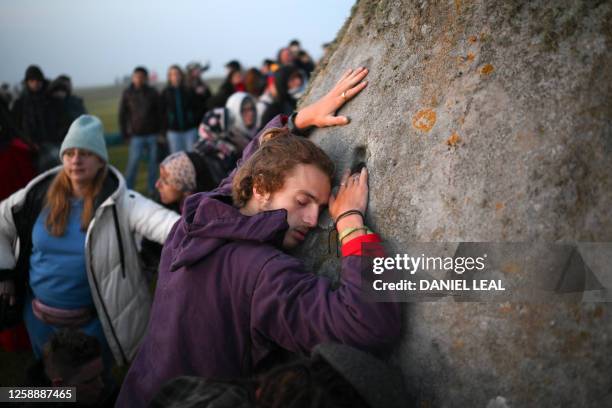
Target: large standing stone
{"x": 485, "y": 121}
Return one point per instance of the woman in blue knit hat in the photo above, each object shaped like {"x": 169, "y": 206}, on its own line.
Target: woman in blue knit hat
{"x": 67, "y": 252}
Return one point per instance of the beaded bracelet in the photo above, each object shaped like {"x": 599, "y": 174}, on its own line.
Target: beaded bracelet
{"x": 348, "y": 231}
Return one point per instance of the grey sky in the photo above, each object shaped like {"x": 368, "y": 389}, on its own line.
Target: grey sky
{"x": 96, "y": 41}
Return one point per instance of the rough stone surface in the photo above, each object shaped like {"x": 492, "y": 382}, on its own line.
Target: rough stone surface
{"x": 484, "y": 121}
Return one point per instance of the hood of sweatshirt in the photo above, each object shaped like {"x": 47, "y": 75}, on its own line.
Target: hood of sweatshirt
{"x": 210, "y": 220}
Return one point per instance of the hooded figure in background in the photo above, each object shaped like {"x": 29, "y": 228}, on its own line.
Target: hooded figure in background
{"x": 234, "y": 82}
{"x": 66, "y": 106}
{"x": 225, "y": 132}
{"x": 34, "y": 117}
{"x": 283, "y": 93}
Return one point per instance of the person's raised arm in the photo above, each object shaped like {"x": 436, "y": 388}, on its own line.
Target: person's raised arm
{"x": 321, "y": 113}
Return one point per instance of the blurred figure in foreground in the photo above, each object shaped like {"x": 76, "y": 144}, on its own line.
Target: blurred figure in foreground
{"x": 335, "y": 376}
{"x": 73, "y": 359}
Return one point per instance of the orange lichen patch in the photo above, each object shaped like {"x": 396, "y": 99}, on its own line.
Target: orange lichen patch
{"x": 453, "y": 140}
{"x": 458, "y": 344}
{"x": 499, "y": 206}
{"x": 473, "y": 39}
{"x": 458, "y": 5}
{"x": 487, "y": 69}
{"x": 510, "y": 267}
{"x": 470, "y": 57}
{"x": 424, "y": 120}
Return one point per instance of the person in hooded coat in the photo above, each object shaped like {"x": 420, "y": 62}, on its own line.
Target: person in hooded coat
{"x": 234, "y": 82}
{"x": 225, "y": 132}
{"x": 228, "y": 296}
{"x": 66, "y": 107}
{"x": 288, "y": 86}
{"x": 34, "y": 116}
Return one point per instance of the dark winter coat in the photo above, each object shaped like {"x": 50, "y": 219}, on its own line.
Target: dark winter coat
{"x": 227, "y": 296}
{"x": 140, "y": 111}
{"x": 35, "y": 118}
{"x": 170, "y": 113}
{"x": 202, "y": 94}
{"x": 226, "y": 90}
{"x": 283, "y": 103}
{"x": 65, "y": 108}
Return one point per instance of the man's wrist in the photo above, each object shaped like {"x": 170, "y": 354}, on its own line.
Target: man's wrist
{"x": 299, "y": 126}
{"x": 350, "y": 221}
{"x": 299, "y": 120}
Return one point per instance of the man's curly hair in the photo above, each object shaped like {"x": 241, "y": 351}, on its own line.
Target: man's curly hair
{"x": 279, "y": 152}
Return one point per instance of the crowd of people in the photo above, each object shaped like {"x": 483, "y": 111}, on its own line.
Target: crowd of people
{"x": 189, "y": 116}
{"x": 234, "y": 320}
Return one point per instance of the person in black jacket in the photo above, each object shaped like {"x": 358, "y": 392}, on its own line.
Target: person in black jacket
{"x": 33, "y": 114}
{"x": 233, "y": 83}
{"x": 140, "y": 122}
{"x": 66, "y": 106}
{"x": 179, "y": 107}
{"x": 283, "y": 93}
{"x": 201, "y": 90}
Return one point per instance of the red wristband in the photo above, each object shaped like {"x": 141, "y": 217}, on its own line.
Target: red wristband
{"x": 353, "y": 247}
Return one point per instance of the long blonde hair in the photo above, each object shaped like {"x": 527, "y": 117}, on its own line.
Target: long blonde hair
{"x": 58, "y": 201}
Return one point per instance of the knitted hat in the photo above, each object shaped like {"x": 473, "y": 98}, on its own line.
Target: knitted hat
{"x": 34, "y": 72}
{"x": 379, "y": 384}
{"x": 181, "y": 171}
{"x": 86, "y": 132}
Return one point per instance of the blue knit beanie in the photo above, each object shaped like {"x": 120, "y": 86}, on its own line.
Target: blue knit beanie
{"x": 86, "y": 132}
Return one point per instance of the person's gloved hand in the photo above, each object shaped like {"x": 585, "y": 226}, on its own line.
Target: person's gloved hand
{"x": 322, "y": 113}
{"x": 7, "y": 298}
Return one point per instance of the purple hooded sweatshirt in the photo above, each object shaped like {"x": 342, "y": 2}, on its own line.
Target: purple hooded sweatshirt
{"x": 227, "y": 295}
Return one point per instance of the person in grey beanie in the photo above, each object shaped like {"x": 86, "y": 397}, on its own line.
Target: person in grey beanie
{"x": 67, "y": 251}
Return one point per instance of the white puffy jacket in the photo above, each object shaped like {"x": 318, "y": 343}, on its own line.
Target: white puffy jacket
{"x": 119, "y": 289}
